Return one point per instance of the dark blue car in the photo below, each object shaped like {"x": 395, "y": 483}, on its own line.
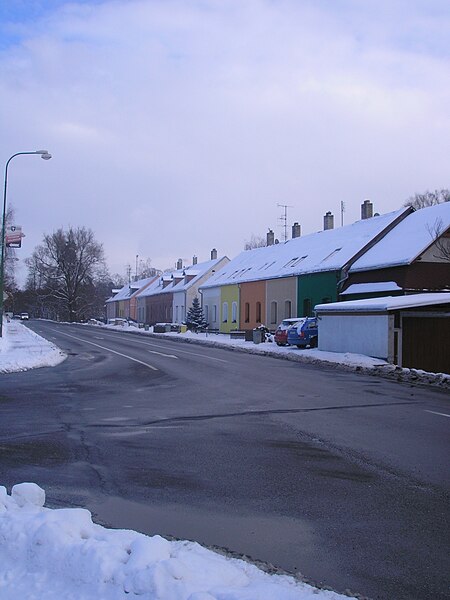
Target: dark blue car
{"x": 304, "y": 333}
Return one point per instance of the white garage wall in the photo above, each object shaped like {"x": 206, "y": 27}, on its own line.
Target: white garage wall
{"x": 360, "y": 334}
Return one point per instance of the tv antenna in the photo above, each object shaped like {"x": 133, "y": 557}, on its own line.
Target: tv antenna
{"x": 283, "y": 219}
{"x": 342, "y": 212}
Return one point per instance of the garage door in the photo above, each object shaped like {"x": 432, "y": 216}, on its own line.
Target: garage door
{"x": 426, "y": 343}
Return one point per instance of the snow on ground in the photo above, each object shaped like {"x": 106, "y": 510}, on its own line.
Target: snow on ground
{"x": 50, "y": 554}
{"x": 22, "y": 349}
{"x": 347, "y": 360}
{"x": 311, "y": 354}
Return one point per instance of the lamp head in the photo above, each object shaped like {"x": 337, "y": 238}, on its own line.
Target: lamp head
{"x": 44, "y": 154}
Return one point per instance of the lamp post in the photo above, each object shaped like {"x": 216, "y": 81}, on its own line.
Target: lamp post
{"x": 46, "y": 156}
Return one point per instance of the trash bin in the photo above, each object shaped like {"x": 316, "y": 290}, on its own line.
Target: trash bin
{"x": 249, "y": 335}
{"x": 258, "y": 336}
{"x": 167, "y": 328}
{"x": 183, "y": 328}
{"x": 146, "y": 327}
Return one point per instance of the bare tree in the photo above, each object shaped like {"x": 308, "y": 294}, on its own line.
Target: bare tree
{"x": 428, "y": 199}
{"x": 63, "y": 269}
{"x": 256, "y": 241}
{"x": 145, "y": 269}
{"x": 10, "y": 257}
{"x": 118, "y": 280}
{"x": 441, "y": 240}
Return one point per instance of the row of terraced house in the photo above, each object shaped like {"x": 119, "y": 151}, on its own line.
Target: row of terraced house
{"x": 399, "y": 253}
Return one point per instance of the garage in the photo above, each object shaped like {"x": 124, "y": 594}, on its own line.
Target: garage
{"x": 410, "y": 331}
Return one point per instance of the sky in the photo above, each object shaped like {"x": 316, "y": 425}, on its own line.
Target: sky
{"x": 178, "y": 126}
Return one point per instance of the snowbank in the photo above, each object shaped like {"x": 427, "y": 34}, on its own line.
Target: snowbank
{"x": 22, "y": 349}
{"x": 346, "y": 361}
{"x": 53, "y": 554}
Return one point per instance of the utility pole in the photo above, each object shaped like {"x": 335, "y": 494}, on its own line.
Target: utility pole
{"x": 283, "y": 219}
{"x": 137, "y": 256}
{"x": 342, "y": 212}
{"x": 129, "y": 273}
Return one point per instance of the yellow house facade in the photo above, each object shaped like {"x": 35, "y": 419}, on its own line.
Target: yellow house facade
{"x": 229, "y": 308}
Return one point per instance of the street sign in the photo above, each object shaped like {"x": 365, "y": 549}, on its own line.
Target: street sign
{"x": 13, "y": 236}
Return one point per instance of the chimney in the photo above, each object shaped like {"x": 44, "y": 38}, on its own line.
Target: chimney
{"x": 270, "y": 238}
{"x": 296, "y": 230}
{"x": 194, "y": 260}
{"x": 180, "y": 263}
{"x": 328, "y": 221}
{"x": 366, "y": 209}
{"x": 213, "y": 254}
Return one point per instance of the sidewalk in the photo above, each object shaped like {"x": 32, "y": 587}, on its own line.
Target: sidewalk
{"x": 335, "y": 360}
{"x": 22, "y": 349}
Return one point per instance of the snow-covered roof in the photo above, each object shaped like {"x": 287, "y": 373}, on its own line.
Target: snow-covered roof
{"x": 386, "y": 303}
{"x": 323, "y": 251}
{"x": 130, "y": 289}
{"x": 180, "y": 280}
{"x": 408, "y": 240}
{"x": 369, "y": 288}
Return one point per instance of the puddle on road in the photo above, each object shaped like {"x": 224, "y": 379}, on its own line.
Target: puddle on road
{"x": 256, "y": 537}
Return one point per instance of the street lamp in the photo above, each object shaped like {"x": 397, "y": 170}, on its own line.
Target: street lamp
{"x": 46, "y": 156}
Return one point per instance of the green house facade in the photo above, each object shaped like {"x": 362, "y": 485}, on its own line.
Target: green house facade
{"x": 264, "y": 285}
{"x": 316, "y": 288}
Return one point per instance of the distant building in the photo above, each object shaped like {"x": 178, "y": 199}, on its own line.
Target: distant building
{"x": 169, "y": 297}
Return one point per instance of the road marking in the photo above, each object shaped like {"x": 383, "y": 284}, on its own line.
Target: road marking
{"x": 437, "y": 413}
{"x": 129, "y": 337}
{"x": 161, "y": 354}
{"x": 108, "y": 349}
{"x": 183, "y": 351}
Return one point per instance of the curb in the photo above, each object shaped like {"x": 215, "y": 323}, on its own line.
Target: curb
{"x": 387, "y": 371}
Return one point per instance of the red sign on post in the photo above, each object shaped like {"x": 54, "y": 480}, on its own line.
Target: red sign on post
{"x": 13, "y": 236}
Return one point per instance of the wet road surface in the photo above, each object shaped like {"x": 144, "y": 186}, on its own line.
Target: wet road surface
{"x": 340, "y": 476}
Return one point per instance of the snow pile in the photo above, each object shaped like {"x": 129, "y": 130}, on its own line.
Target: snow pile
{"x": 344, "y": 360}
{"x": 53, "y": 554}
{"x": 22, "y": 349}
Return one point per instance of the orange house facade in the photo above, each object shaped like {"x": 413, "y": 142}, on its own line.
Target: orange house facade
{"x": 252, "y": 304}
{"x": 267, "y": 302}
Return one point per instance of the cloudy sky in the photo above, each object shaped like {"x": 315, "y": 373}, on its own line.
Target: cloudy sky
{"x": 177, "y": 126}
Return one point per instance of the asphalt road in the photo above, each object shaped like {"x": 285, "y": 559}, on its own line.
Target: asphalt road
{"x": 340, "y": 476}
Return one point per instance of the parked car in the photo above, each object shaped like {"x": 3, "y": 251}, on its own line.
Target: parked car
{"x": 281, "y": 332}
{"x": 305, "y": 333}
{"x": 24, "y": 316}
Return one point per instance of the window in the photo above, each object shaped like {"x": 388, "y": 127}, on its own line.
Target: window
{"x": 176, "y": 314}
{"x": 234, "y": 312}
{"x": 214, "y": 313}
{"x": 206, "y": 313}
{"x": 273, "y": 312}
{"x": 247, "y": 312}
{"x": 258, "y": 312}
{"x": 295, "y": 261}
{"x": 287, "y": 309}
{"x": 331, "y": 254}
{"x": 225, "y": 312}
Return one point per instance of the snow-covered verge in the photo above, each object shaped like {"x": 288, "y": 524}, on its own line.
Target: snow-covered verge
{"x": 52, "y": 554}
{"x": 346, "y": 361}
{"x": 22, "y": 349}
